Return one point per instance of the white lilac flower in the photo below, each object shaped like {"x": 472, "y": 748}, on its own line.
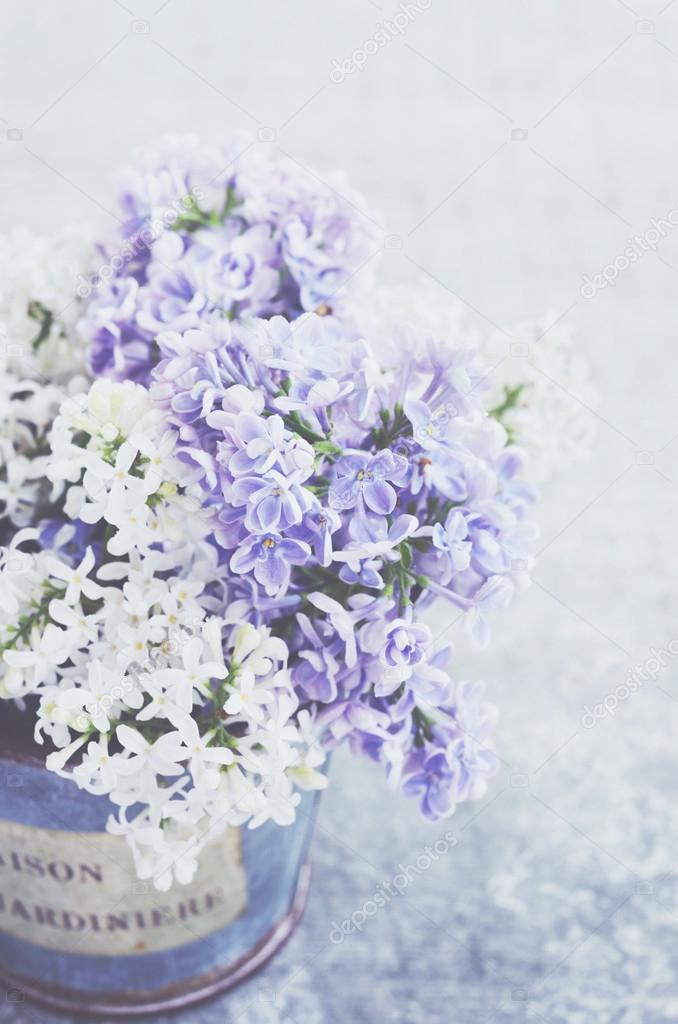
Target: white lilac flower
{"x": 76, "y": 579}
{"x": 46, "y": 649}
{"x": 41, "y": 361}
{"x": 123, "y": 474}
{"x": 39, "y": 302}
{"x": 97, "y": 770}
{"x": 145, "y": 653}
{"x": 542, "y": 386}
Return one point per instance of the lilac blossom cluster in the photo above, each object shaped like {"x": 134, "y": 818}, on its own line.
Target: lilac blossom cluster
{"x": 218, "y": 545}
{"x": 207, "y": 229}
{"x": 344, "y": 498}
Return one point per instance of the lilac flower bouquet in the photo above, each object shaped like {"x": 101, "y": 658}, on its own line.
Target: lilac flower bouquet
{"x": 225, "y": 514}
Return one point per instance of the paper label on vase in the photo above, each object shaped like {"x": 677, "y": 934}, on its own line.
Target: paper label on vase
{"x": 77, "y": 892}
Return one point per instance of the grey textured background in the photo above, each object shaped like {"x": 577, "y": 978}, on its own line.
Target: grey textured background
{"x": 559, "y": 902}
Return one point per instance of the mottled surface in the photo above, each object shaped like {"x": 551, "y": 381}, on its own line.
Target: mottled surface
{"x": 559, "y": 901}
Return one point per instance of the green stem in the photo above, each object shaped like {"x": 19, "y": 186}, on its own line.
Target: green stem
{"x": 27, "y": 622}
{"x": 509, "y": 402}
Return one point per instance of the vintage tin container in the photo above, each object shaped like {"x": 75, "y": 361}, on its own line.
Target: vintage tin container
{"x": 80, "y": 932}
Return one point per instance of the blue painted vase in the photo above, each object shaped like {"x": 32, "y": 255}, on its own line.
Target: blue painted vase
{"x": 79, "y": 931}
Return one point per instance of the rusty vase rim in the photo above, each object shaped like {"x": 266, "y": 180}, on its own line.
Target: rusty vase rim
{"x": 178, "y": 996}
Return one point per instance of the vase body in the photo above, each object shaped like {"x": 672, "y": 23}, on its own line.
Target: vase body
{"x": 79, "y": 931}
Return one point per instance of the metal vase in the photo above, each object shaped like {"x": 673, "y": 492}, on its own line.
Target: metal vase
{"x": 79, "y": 931}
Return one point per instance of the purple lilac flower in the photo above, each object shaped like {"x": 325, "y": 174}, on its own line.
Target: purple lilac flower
{"x": 316, "y": 529}
{"x": 262, "y": 443}
{"x": 400, "y": 646}
{"x": 364, "y": 572}
{"x": 430, "y": 683}
{"x": 364, "y": 558}
{"x": 429, "y": 776}
{"x": 388, "y": 742}
{"x": 166, "y": 173}
{"x": 209, "y": 229}
{"x": 241, "y": 272}
{"x": 467, "y": 724}
{"x": 174, "y": 296}
{"x": 274, "y": 501}
{"x": 70, "y": 540}
{"x": 341, "y": 525}
{"x": 318, "y": 667}
{"x": 450, "y": 551}
{"x": 493, "y": 593}
{"x": 430, "y": 428}
{"x": 347, "y": 718}
{"x": 271, "y": 558}
{"x": 361, "y": 477}
{"x": 450, "y": 541}
{"x": 118, "y": 345}
{"x": 440, "y": 470}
